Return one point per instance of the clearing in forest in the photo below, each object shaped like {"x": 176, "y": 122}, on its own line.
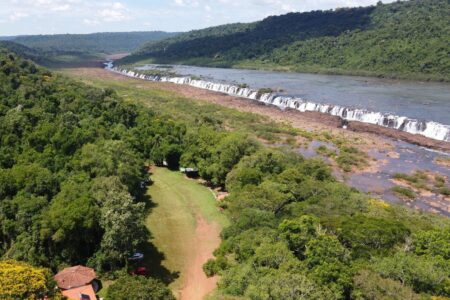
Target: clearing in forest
{"x": 185, "y": 225}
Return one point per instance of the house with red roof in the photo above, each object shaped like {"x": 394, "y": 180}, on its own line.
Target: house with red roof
{"x": 77, "y": 283}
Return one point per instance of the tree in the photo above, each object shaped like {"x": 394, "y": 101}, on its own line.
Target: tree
{"x": 70, "y": 226}
{"x": 19, "y": 280}
{"x": 112, "y": 158}
{"x": 139, "y": 288}
{"x": 121, "y": 219}
{"x": 328, "y": 262}
{"x": 299, "y": 232}
{"x": 433, "y": 242}
{"x": 371, "y": 286}
{"x": 422, "y": 273}
{"x": 365, "y": 234}
{"x": 281, "y": 285}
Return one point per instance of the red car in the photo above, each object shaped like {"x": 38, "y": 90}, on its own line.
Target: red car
{"x": 140, "y": 271}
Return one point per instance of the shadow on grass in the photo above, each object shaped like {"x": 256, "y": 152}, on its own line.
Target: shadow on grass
{"x": 153, "y": 259}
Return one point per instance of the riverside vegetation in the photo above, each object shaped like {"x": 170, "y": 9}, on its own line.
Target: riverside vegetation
{"x": 404, "y": 39}
{"x": 73, "y": 158}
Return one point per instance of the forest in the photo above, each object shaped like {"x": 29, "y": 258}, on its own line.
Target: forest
{"x": 105, "y": 42}
{"x": 404, "y": 39}
{"x": 73, "y": 170}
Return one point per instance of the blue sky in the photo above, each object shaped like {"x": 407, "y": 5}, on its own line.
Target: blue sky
{"x": 86, "y": 16}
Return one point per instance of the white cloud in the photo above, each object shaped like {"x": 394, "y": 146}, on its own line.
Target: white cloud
{"x": 116, "y": 12}
{"x": 16, "y": 16}
{"x": 190, "y": 3}
{"x": 90, "y": 22}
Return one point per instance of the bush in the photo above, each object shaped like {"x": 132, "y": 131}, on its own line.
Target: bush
{"x": 404, "y": 192}
{"x": 214, "y": 266}
{"x": 138, "y": 287}
{"x": 351, "y": 157}
{"x": 445, "y": 191}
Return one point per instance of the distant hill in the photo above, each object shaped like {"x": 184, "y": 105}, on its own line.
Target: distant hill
{"x": 23, "y": 51}
{"x": 54, "y": 59}
{"x": 7, "y": 38}
{"x": 402, "y": 39}
{"x": 107, "y": 42}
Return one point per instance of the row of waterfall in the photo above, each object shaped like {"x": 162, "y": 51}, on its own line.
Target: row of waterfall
{"x": 429, "y": 129}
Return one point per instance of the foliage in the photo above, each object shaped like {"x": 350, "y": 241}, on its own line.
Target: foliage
{"x": 404, "y": 192}
{"x": 214, "y": 154}
{"x": 291, "y": 218}
{"x": 420, "y": 180}
{"x": 433, "y": 243}
{"x": 366, "y": 235}
{"x": 107, "y": 42}
{"x": 371, "y": 286}
{"x": 422, "y": 273}
{"x": 139, "y": 288}
{"x": 401, "y": 39}
{"x": 351, "y": 157}
{"x": 121, "y": 219}
{"x": 19, "y": 280}
{"x": 72, "y": 170}
{"x": 72, "y": 179}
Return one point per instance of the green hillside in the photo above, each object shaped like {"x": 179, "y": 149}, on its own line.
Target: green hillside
{"x": 23, "y": 51}
{"x": 403, "y": 39}
{"x": 53, "y": 59}
{"x": 107, "y": 42}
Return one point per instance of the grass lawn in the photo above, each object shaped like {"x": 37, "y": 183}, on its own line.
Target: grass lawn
{"x": 179, "y": 203}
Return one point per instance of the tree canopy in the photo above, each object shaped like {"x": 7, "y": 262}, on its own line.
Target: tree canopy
{"x": 19, "y": 280}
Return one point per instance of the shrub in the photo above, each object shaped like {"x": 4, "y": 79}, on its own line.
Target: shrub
{"x": 404, "y": 192}
{"x": 139, "y": 287}
{"x": 445, "y": 191}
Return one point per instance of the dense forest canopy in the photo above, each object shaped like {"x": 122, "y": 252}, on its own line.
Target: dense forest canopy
{"x": 105, "y": 42}
{"x": 23, "y": 51}
{"x": 405, "y": 39}
{"x": 73, "y": 168}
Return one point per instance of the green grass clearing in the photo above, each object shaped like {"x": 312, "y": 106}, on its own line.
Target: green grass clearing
{"x": 172, "y": 222}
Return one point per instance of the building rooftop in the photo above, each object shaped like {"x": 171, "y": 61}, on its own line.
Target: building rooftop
{"x": 74, "y": 277}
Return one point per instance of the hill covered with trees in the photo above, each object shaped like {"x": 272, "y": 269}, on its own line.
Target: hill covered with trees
{"x": 23, "y": 51}
{"x": 105, "y": 42}
{"x": 403, "y": 39}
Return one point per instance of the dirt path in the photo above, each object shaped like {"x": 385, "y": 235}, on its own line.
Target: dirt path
{"x": 197, "y": 285}
{"x": 185, "y": 224}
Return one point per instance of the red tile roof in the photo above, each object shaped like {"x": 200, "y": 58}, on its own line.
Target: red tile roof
{"x": 75, "y": 294}
{"x": 74, "y": 277}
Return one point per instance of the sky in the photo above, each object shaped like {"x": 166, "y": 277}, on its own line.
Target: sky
{"x": 19, "y": 17}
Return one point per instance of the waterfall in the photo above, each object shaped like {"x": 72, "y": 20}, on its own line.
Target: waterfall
{"x": 429, "y": 129}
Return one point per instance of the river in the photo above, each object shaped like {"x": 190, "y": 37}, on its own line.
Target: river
{"x": 415, "y": 107}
